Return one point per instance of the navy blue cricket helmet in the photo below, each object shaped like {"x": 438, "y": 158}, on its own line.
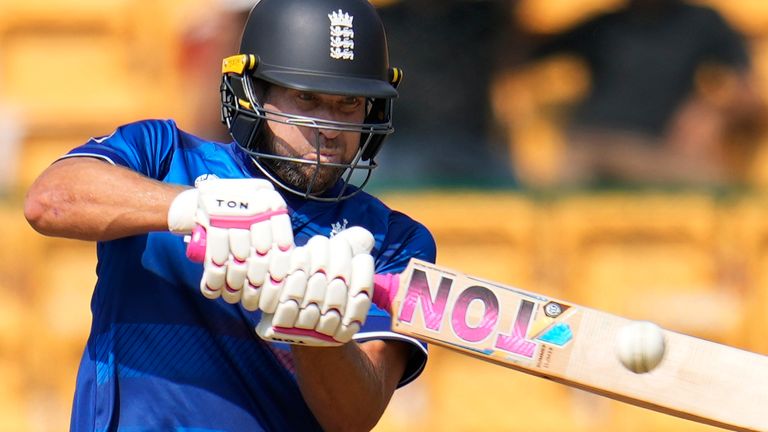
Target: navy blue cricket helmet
{"x": 334, "y": 47}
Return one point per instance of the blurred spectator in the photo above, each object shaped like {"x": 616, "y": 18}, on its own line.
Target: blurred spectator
{"x": 208, "y": 38}
{"x": 448, "y": 50}
{"x": 640, "y": 122}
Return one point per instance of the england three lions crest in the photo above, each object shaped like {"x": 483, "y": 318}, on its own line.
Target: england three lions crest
{"x": 342, "y": 36}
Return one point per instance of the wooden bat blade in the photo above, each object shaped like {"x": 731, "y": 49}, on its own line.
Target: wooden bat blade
{"x": 697, "y": 379}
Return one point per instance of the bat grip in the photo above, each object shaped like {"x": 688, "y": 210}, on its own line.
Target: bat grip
{"x": 384, "y": 289}
{"x": 196, "y": 244}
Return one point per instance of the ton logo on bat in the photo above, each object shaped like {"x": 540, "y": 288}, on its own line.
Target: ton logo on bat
{"x": 436, "y": 311}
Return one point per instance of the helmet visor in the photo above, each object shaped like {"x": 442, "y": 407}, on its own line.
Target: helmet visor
{"x": 329, "y": 84}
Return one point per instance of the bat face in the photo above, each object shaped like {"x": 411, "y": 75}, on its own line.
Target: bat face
{"x": 503, "y": 324}
{"x": 577, "y": 346}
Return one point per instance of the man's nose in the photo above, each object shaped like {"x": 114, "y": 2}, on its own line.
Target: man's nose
{"x": 329, "y": 134}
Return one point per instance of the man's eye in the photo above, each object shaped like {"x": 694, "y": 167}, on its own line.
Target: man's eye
{"x": 351, "y": 102}
{"x": 306, "y": 97}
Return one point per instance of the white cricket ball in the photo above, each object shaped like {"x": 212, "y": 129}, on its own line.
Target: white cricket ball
{"x": 640, "y": 346}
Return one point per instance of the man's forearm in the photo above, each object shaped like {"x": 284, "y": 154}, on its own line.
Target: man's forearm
{"x": 87, "y": 199}
{"x": 348, "y": 387}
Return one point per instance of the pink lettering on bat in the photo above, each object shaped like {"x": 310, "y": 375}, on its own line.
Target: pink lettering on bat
{"x": 516, "y": 342}
{"x": 433, "y": 309}
{"x": 490, "y": 314}
{"x": 418, "y": 292}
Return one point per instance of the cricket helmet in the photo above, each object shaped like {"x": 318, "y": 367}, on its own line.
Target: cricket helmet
{"x": 334, "y": 47}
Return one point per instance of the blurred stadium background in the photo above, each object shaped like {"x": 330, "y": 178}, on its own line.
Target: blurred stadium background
{"x": 692, "y": 260}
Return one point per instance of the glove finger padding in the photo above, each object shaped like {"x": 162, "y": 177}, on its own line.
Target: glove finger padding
{"x": 250, "y": 297}
{"x": 361, "y": 280}
{"x": 282, "y": 231}
{"x": 287, "y": 311}
{"x": 327, "y": 292}
{"x": 217, "y": 251}
{"x": 213, "y": 280}
{"x": 359, "y": 239}
{"x": 242, "y": 235}
{"x": 234, "y": 282}
{"x": 270, "y": 295}
{"x": 240, "y": 244}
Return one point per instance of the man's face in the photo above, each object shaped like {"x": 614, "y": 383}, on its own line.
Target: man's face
{"x": 304, "y": 142}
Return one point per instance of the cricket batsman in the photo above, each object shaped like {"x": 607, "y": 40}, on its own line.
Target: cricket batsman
{"x": 269, "y": 326}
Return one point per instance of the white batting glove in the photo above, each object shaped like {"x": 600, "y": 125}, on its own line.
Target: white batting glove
{"x": 327, "y": 293}
{"x": 240, "y": 231}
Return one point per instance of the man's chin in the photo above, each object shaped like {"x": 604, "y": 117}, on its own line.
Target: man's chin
{"x": 303, "y": 178}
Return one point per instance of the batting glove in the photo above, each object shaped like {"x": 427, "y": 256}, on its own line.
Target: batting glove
{"x": 327, "y": 293}
{"x": 241, "y": 232}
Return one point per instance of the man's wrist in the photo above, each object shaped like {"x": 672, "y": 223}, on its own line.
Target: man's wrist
{"x": 181, "y": 213}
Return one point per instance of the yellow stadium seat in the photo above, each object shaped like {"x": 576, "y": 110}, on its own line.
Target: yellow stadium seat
{"x": 62, "y": 310}
{"x": 651, "y": 257}
{"x": 459, "y": 393}
{"x": 655, "y": 257}
{"x": 85, "y": 64}
{"x": 22, "y": 250}
{"x": 14, "y": 406}
{"x": 748, "y": 257}
{"x": 20, "y": 255}
{"x": 38, "y": 153}
{"x": 490, "y": 235}
{"x": 65, "y": 291}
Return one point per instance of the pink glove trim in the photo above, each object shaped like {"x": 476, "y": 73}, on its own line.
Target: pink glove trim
{"x": 197, "y": 243}
{"x": 208, "y": 287}
{"x": 385, "y": 288}
{"x": 244, "y": 222}
{"x": 305, "y": 332}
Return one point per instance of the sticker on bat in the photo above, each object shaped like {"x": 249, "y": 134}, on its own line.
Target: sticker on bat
{"x": 443, "y": 308}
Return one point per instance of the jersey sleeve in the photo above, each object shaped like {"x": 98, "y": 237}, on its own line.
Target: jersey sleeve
{"x": 379, "y": 327}
{"x": 145, "y": 147}
{"x": 407, "y": 239}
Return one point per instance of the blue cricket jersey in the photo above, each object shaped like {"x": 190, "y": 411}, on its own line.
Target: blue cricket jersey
{"x": 160, "y": 356}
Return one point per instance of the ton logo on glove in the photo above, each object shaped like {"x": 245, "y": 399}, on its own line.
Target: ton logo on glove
{"x": 233, "y": 204}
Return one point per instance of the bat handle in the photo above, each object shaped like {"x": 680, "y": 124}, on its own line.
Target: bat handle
{"x": 385, "y": 287}
{"x": 196, "y": 243}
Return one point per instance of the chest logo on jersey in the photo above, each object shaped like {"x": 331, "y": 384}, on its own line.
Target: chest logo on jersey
{"x": 338, "y": 227}
{"x": 205, "y": 177}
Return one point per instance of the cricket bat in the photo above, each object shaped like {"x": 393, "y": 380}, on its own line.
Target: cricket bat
{"x": 696, "y": 379}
